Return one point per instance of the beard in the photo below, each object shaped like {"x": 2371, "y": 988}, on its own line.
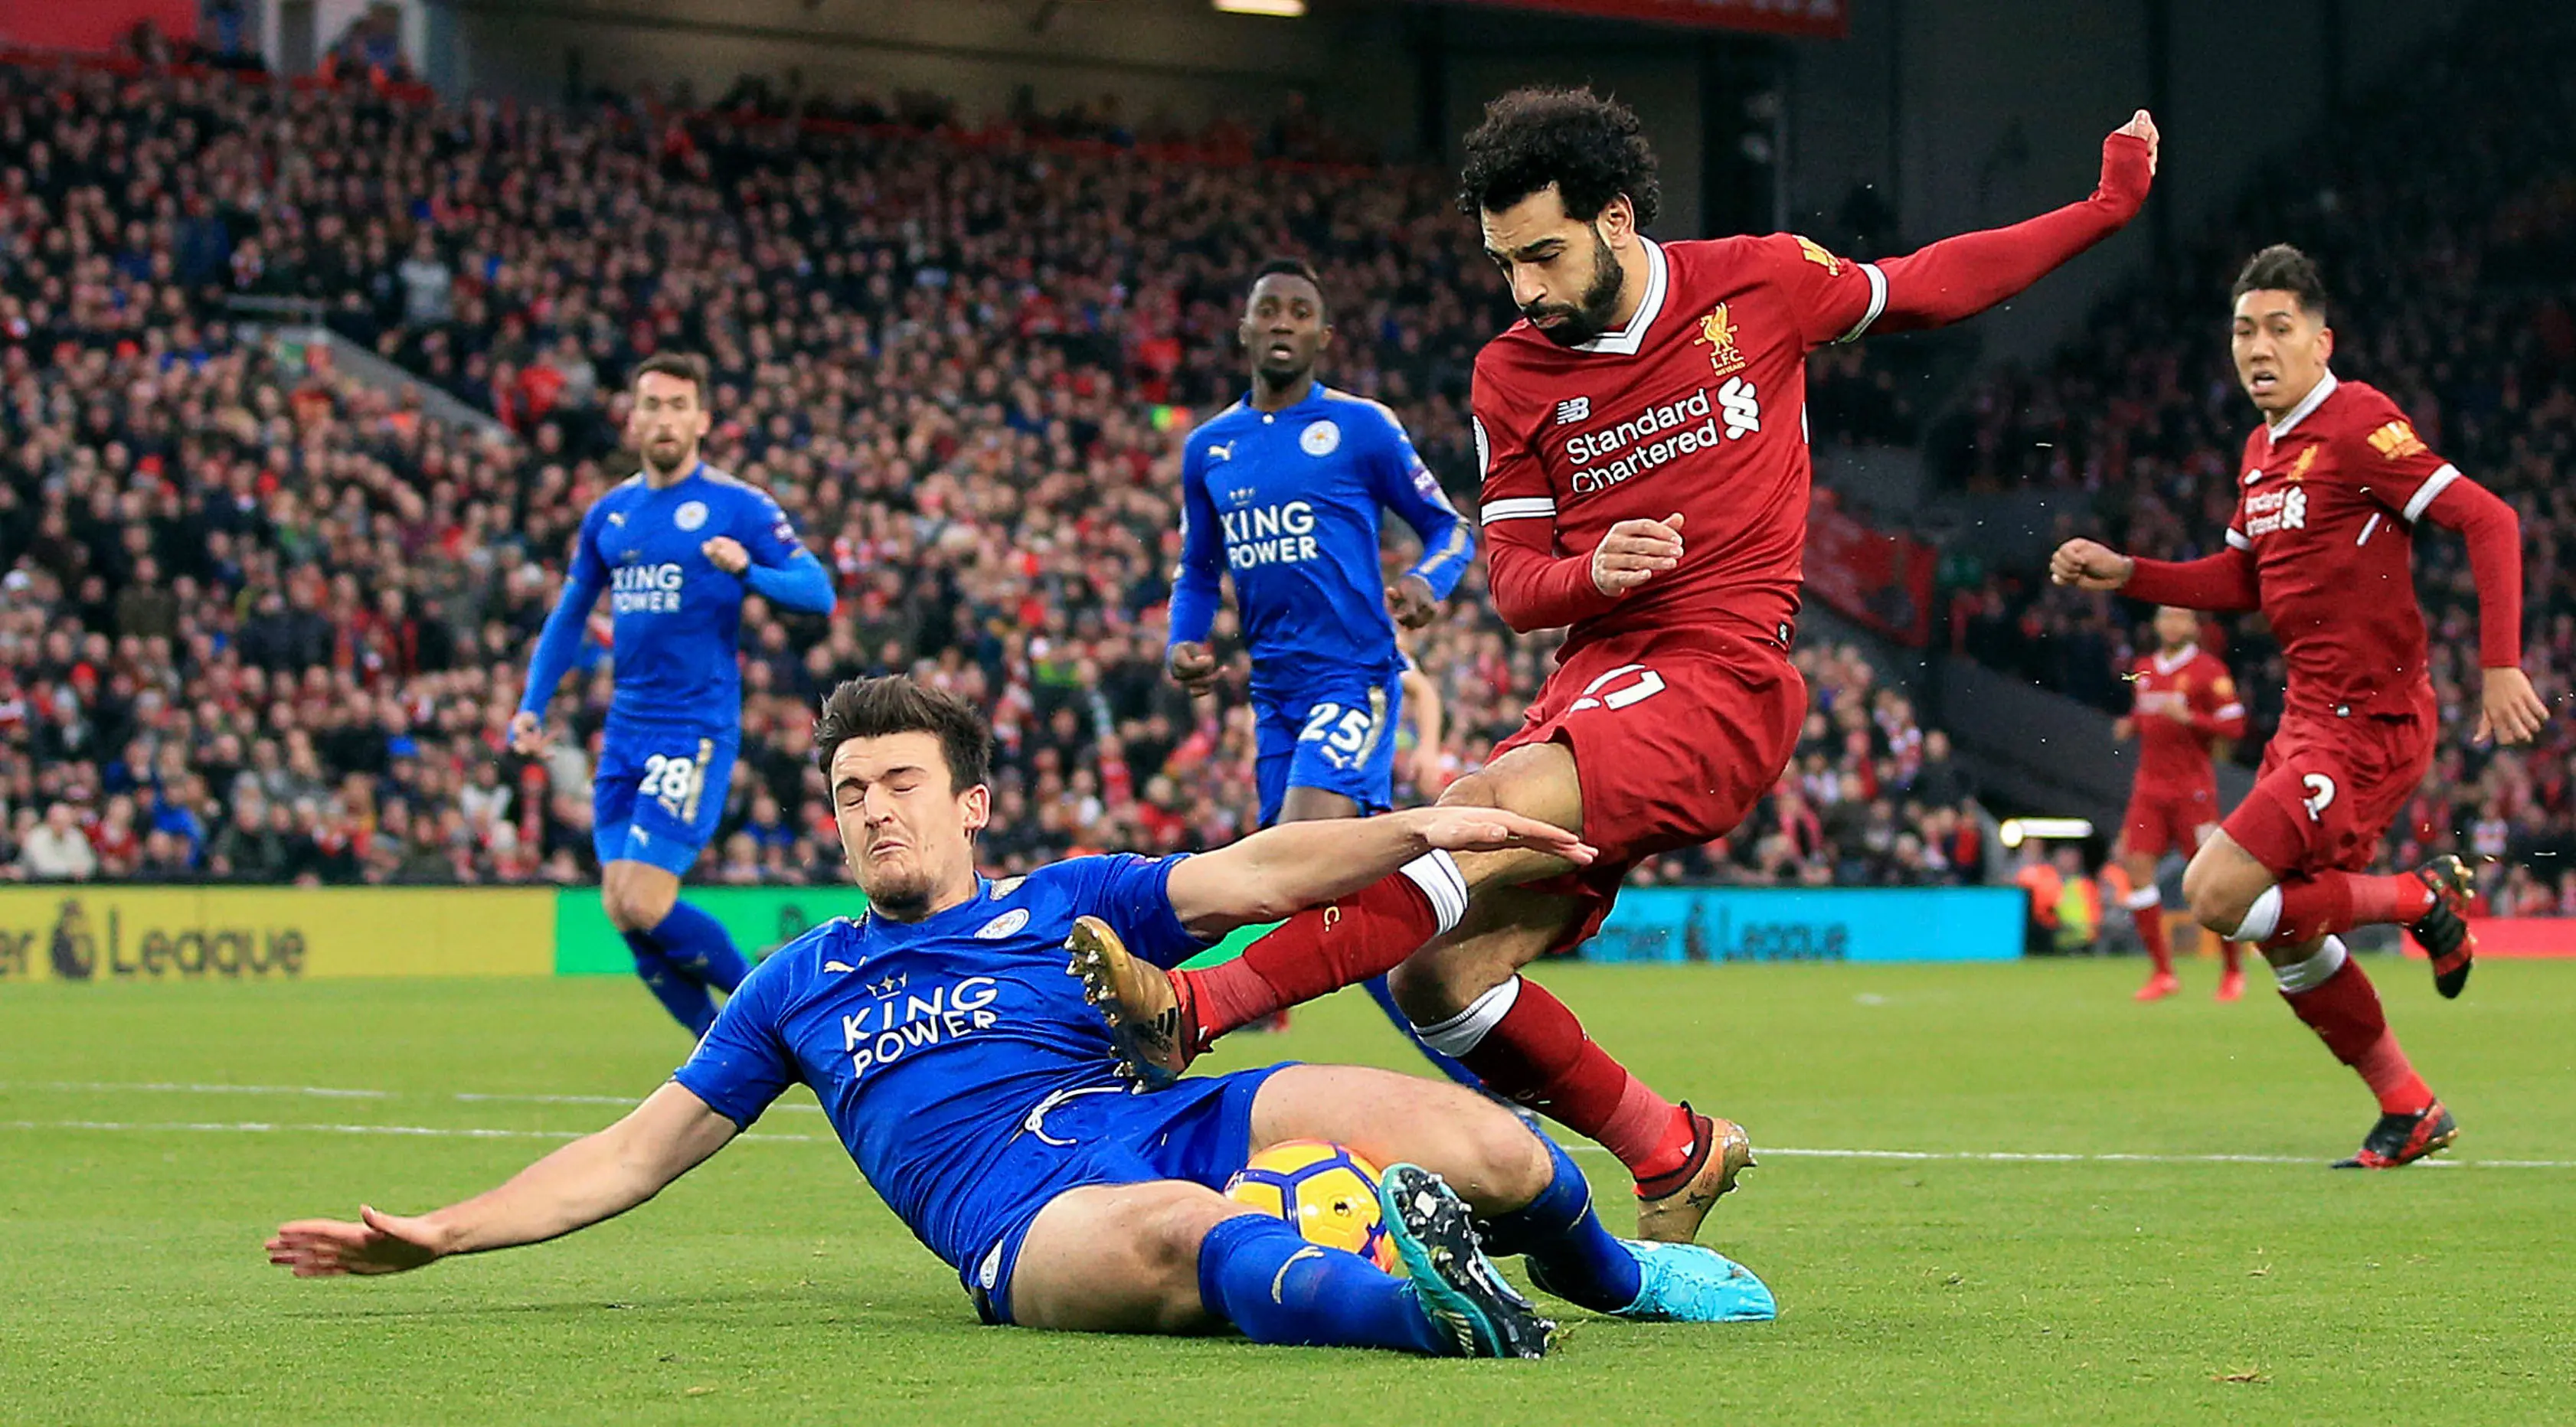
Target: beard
{"x": 901, "y": 896}
{"x": 1588, "y": 317}
{"x": 666, "y": 455}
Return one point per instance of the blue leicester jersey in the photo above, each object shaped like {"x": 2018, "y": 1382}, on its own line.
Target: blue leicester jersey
{"x": 934, "y": 1045}
{"x": 1287, "y": 502}
{"x": 676, "y": 614}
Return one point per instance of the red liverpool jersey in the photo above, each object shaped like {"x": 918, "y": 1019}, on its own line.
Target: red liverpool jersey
{"x": 2327, "y": 503}
{"x": 2173, "y": 752}
{"x": 1698, "y": 405}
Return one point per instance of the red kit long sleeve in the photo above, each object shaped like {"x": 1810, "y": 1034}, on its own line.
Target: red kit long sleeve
{"x": 1962, "y": 276}
{"x": 1532, "y": 586}
{"x": 2494, "y": 535}
{"x": 2219, "y": 583}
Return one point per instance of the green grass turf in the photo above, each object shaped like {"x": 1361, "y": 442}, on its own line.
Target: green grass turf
{"x": 770, "y": 1286}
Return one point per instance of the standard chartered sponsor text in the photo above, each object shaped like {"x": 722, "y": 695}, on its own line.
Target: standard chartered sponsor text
{"x": 1691, "y": 422}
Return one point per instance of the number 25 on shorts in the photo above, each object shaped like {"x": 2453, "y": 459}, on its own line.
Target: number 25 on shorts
{"x": 1343, "y": 730}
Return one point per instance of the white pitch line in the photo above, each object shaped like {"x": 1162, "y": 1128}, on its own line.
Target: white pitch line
{"x": 629, "y": 1101}
{"x": 478, "y": 1097}
{"x": 164, "y": 1087}
{"x": 176, "y": 1088}
{"x": 2032, "y": 1157}
{"x": 262, "y": 1127}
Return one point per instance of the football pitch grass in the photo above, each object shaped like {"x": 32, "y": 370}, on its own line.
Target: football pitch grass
{"x": 2119, "y": 1213}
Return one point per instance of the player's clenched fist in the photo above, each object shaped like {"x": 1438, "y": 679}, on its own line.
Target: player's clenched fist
{"x": 2142, "y": 125}
{"x": 2090, "y": 565}
{"x": 726, "y": 554}
{"x": 1193, "y": 667}
{"x": 1636, "y": 551}
{"x": 527, "y": 734}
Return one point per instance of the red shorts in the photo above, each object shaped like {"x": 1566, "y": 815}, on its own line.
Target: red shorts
{"x": 1675, "y": 734}
{"x": 2328, "y": 789}
{"x": 2166, "y": 817}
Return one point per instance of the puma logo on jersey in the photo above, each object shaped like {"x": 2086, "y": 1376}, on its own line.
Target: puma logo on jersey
{"x": 1220, "y": 451}
{"x": 1573, "y": 409}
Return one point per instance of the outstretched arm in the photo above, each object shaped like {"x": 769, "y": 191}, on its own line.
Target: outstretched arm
{"x": 596, "y": 1177}
{"x": 1283, "y": 870}
{"x": 1962, "y": 276}
{"x": 2221, "y": 582}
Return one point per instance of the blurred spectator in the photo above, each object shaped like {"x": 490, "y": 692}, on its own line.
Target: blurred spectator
{"x": 57, "y": 850}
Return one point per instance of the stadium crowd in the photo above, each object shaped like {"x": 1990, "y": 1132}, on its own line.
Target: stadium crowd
{"x": 264, "y": 622}
{"x": 2445, "y": 226}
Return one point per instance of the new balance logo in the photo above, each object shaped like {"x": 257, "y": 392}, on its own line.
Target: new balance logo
{"x": 1573, "y": 409}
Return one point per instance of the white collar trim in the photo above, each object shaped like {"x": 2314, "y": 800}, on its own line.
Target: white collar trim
{"x": 2188, "y": 653}
{"x": 1626, "y": 341}
{"x": 2315, "y": 398}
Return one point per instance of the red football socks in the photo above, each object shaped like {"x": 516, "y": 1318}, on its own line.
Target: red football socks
{"x": 2331, "y": 902}
{"x": 1313, "y": 953}
{"x": 2151, "y": 933}
{"x": 2345, "y": 1014}
{"x": 1537, "y": 1055}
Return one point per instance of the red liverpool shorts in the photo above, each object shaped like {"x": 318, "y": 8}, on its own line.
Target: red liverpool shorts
{"x": 1675, "y": 734}
{"x": 2328, "y": 789}
{"x": 2166, "y": 817}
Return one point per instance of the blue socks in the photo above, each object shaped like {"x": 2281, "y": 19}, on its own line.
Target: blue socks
{"x": 1263, "y": 1277}
{"x": 1565, "y": 1242}
{"x": 1448, "y": 1065}
{"x": 699, "y": 945}
{"x": 681, "y": 994}
{"x": 682, "y": 957}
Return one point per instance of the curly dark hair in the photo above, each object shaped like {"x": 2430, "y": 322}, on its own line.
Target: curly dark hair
{"x": 2282, "y": 268}
{"x": 1589, "y": 147}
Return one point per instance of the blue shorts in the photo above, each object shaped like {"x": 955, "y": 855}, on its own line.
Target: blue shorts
{"x": 1199, "y": 1129}
{"x": 658, "y": 795}
{"x": 1334, "y": 734}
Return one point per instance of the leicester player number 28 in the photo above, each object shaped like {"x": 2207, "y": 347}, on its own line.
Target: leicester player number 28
{"x": 669, "y": 779}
